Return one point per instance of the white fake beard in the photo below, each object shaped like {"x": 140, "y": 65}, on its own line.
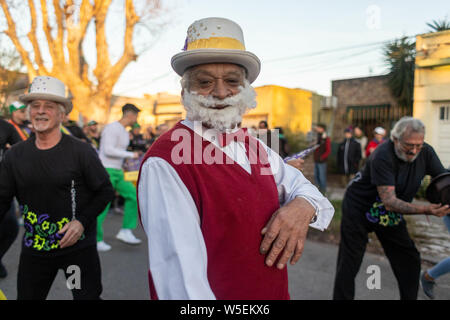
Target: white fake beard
{"x": 201, "y": 108}
{"x": 402, "y": 155}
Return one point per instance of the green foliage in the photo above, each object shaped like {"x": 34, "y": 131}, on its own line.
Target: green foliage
{"x": 439, "y": 25}
{"x": 296, "y": 141}
{"x": 337, "y": 217}
{"x": 4, "y": 111}
{"x": 421, "y": 194}
{"x": 400, "y": 56}
{"x": 10, "y": 66}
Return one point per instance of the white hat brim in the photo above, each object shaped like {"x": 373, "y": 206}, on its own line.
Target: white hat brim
{"x": 184, "y": 60}
{"x": 26, "y": 98}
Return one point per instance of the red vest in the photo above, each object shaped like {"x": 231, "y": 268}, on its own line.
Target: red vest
{"x": 234, "y": 206}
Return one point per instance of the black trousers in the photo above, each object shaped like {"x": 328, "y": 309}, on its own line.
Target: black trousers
{"x": 399, "y": 248}
{"x": 9, "y": 228}
{"x": 36, "y": 274}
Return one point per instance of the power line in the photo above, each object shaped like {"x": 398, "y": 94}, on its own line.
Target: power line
{"x": 316, "y": 53}
{"x": 144, "y": 83}
{"x": 328, "y": 63}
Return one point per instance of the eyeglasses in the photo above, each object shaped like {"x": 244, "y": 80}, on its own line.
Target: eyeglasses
{"x": 409, "y": 146}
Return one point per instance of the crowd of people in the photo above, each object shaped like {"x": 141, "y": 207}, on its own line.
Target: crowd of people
{"x": 89, "y": 165}
{"x": 223, "y": 208}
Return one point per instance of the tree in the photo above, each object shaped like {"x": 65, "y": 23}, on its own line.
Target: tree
{"x": 11, "y": 79}
{"x": 400, "y": 56}
{"x": 439, "y": 25}
{"x": 63, "y": 26}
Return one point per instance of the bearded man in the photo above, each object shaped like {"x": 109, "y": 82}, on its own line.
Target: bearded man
{"x": 222, "y": 211}
{"x": 376, "y": 200}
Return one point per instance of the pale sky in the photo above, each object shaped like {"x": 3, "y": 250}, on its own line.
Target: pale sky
{"x": 301, "y": 44}
{"x": 293, "y": 29}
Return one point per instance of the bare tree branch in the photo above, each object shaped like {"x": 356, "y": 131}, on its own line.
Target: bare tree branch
{"x": 65, "y": 29}
{"x": 103, "y": 61}
{"x": 32, "y": 36}
{"x": 128, "y": 49}
{"x": 75, "y": 35}
{"x": 60, "y": 27}
{"x": 11, "y": 32}
{"x": 48, "y": 35}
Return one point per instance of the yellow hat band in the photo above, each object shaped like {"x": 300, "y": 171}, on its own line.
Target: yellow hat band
{"x": 216, "y": 43}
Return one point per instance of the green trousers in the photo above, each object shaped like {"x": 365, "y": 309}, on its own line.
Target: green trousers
{"x": 128, "y": 191}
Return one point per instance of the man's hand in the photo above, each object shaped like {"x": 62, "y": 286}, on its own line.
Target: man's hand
{"x": 286, "y": 232}
{"x": 297, "y": 163}
{"x": 437, "y": 210}
{"x": 74, "y": 230}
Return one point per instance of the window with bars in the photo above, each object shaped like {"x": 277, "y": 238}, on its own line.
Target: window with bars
{"x": 444, "y": 113}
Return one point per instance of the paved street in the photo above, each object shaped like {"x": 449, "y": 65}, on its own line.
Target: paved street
{"x": 125, "y": 272}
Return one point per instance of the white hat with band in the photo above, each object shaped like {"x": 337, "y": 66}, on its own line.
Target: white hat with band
{"x": 47, "y": 88}
{"x": 216, "y": 40}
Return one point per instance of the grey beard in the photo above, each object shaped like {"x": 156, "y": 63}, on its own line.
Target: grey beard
{"x": 402, "y": 156}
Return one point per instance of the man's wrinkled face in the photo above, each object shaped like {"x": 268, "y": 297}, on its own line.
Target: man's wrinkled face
{"x": 217, "y": 80}
{"x": 409, "y": 146}
{"x": 45, "y": 115}
{"x": 217, "y": 95}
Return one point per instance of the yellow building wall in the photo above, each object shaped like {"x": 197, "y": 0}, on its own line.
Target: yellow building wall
{"x": 169, "y": 106}
{"x": 280, "y": 106}
{"x": 283, "y": 107}
{"x": 432, "y": 89}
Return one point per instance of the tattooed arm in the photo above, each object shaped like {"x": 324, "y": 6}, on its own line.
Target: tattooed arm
{"x": 392, "y": 203}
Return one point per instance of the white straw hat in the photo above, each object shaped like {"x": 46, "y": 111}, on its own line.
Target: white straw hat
{"x": 47, "y": 88}
{"x": 216, "y": 40}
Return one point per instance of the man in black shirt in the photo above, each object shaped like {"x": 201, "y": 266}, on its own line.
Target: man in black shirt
{"x": 9, "y": 227}
{"x": 74, "y": 129}
{"x": 8, "y": 137}
{"x": 91, "y": 132}
{"x": 61, "y": 187}
{"x": 137, "y": 141}
{"x": 348, "y": 157}
{"x": 376, "y": 200}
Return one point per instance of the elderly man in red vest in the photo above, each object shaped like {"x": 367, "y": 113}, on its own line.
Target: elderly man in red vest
{"x": 223, "y": 213}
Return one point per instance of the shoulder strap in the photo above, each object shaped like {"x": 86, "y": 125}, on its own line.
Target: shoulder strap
{"x": 19, "y": 131}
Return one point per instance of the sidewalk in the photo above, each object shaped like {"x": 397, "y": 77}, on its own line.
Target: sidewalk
{"x": 124, "y": 272}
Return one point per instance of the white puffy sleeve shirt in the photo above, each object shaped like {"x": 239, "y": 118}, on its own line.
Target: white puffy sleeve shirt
{"x": 177, "y": 252}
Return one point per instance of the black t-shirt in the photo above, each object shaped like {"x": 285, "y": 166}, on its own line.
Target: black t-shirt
{"x": 384, "y": 168}
{"x": 76, "y": 131}
{"x": 50, "y": 185}
{"x": 137, "y": 143}
{"x": 8, "y": 135}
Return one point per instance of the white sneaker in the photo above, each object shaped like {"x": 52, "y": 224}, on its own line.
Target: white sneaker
{"x": 102, "y": 246}
{"x": 127, "y": 236}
